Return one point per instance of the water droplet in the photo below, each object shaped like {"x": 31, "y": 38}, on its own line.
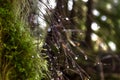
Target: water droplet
{"x": 45, "y": 44}
{"x": 103, "y": 18}
{"x": 85, "y": 0}
{"x": 32, "y": 56}
{"x": 98, "y": 62}
{"x": 95, "y": 26}
{"x": 40, "y": 35}
{"x": 67, "y": 18}
{"x": 68, "y": 67}
{"x": 50, "y": 59}
{"x": 57, "y": 64}
{"x": 74, "y": 66}
{"x": 76, "y": 57}
{"x": 59, "y": 20}
{"x": 51, "y": 68}
{"x": 55, "y": 57}
{"x": 51, "y": 63}
{"x": 50, "y": 49}
{"x": 52, "y": 79}
{"x": 57, "y": 47}
{"x": 95, "y": 12}
{"x": 86, "y": 58}
{"x": 68, "y": 49}
{"x": 70, "y": 5}
{"x": 49, "y": 29}
{"x": 63, "y": 6}
{"x": 64, "y": 30}
{"x": 115, "y": 1}
{"x": 59, "y": 73}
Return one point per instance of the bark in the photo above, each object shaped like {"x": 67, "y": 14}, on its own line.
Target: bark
{"x": 88, "y": 23}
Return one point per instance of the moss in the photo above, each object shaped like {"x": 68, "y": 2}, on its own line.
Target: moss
{"x": 19, "y": 59}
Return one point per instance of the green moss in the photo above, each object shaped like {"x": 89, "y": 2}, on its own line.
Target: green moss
{"x": 19, "y": 59}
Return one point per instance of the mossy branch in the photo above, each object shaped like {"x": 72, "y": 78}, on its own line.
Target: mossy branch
{"x": 19, "y": 59}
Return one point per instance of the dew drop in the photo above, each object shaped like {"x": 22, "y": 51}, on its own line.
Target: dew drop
{"x": 68, "y": 49}
{"x": 40, "y": 35}
{"x": 86, "y": 58}
{"x": 59, "y": 73}
{"x": 58, "y": 20}
{"x": 50, "y": 59}
{"x": 98, "y": 62}
{"x": 67, "y": 18}
{"x": 32, "y": 56}
{"x": 51, "y": 68}
{"x": 74, "y": 66}
{"x": 49, "y": 29}
{"x": 45, "y": 44}
{"x": 57, "y": 47}
{"x": 68, "y": 67}
{"x": 52, "y": 79}
{"x": 50, "y": 49}
{"x": 63, "y": 6}
{"x": 76, "y": 57}
{"x": 55, "y": 57}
